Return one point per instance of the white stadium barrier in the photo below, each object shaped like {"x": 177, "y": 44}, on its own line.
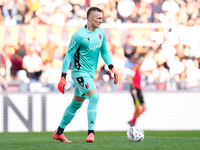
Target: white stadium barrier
{"x": 23, "y": 112}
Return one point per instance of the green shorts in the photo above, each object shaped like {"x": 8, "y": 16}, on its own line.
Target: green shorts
{"x": 83, "y": 84}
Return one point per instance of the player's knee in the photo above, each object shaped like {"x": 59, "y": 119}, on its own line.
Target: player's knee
{"x": 93, "y": 100}
{"x": 137, "y": 113}
{"x": 76, "y": 104}
{"x": 94, "y": 97}
{"x": 144, "y": 106}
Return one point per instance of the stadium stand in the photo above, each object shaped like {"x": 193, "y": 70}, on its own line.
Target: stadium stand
{"x": 167, "y": 31}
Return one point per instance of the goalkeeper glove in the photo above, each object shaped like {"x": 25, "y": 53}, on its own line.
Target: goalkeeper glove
{"x": 113, "y": 73}
{"x": 62, "y": 83}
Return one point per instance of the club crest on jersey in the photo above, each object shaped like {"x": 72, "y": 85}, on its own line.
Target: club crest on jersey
{"x": 73, "y": 43}
{"x": 100, "y": 36}
{"x": 87, "y": 86}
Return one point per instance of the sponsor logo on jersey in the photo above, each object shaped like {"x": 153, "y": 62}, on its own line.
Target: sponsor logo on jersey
{"x": 100, "y": 36}
{"x": 73, "y": 43}
{"x": 91, "y": 47}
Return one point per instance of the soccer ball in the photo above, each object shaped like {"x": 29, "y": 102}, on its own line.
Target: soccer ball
{"x": 135, "y": 134}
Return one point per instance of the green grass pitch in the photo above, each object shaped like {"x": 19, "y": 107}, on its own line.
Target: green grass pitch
{"x": 154, "y": 140}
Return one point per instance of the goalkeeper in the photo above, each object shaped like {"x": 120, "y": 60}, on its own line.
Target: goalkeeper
{"x": 84, "y": 48}
{"x": 136, "y": 91}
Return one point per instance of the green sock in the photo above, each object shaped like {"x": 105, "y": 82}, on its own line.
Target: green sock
{"x": 92, "y": 110}
{"x": 70, "y": 113}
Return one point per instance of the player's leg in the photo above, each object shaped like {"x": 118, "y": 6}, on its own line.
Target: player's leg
{"x": 143, "y": 109}
{"x": 139, "y": 101}
{"x": 70, "y": 112}
{"x": 92, "y": 113}
{"x": 142, "y": 103}
{"x": 134, "y": 93}
{"x": 68, "y": 115}
{"x": 87, "y": 90}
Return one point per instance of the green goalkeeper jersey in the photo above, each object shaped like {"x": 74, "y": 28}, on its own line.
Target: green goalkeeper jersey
{"x": 84, "y": 49}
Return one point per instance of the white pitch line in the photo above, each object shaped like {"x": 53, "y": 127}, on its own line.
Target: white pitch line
{"x": 153, "y": 137}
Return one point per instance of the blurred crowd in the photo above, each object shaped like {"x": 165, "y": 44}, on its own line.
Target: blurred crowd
{"x": 170, "y": 58}
{"x": 73, "y": 12}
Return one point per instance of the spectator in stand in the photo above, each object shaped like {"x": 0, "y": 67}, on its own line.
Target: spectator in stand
{"x": 51, "y": 13}
{"x": 144, "y": 19}
{"x": 182, "y": 81}
{"x": 3, "y": 57}
{"x": 49, "y": 74}
{"x": 134, "y": 16}
{"x": 33, "y": 5}
{"x": 160, "y": 59}
{"x": 32, "y": 63}
{"x": 144, "y": 9}
{"x": 35, "y": 44}
{"x": 170, "y": 8}
{"x": 106, "y": 14}
{"x": 193, "y": 74}
{"x": 124, "y": 8}
{"x": 84, "y": 4}
{"x": 67, "y": 9}
{"x": 58, "y": 54}
{"x": 176, "y": 67}
{"x": 58, "y": 17}
{"x": 51, "y": 45}
{"x": 28, "y": 17}
{"x": 196, "y": 62}
{"x": 9, "y": 12}
{"x": 46, "y": 58}
{"x": 51, "y": 5}
{"x": 180, "y": 48}
{"x": 111, "y": 4}
{"x": 156, "y": 9}
{"x": 114, "y": 15}
{"x": 192, "y": 9}
{"x": 129, "y": 49}
{"x": 78, "y": 11}
{"x": 1, "y": 16}
{"x": 161, "y": 75}
{"x": 8, "y": 48}
{"x": 168, "y": 49}
{"x": 22, "y": 9}
{"x": 17, "y": 58}
{"x": 198, "y": 5}
{"x": 182, "y": 17}
{"x": 99, "y": 3}
{"x": 79, "y": 16}
{"x": 110, "y": 16}
{"x": 154, "y": 46}
{"x": 149, "y": 65}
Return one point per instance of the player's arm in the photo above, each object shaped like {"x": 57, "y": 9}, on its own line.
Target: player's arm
{"x": 107, "y": 59}
{"x": 73, "y": 46}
